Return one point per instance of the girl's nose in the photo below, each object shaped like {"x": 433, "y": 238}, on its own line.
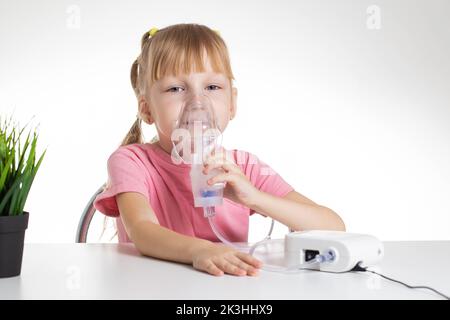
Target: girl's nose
{"x": 197, "y": 100}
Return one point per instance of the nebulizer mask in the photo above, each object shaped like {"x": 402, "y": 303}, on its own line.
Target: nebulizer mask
{"x": 195, "y": 136}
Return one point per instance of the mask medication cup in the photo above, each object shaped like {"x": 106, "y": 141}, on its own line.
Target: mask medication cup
{"x": 204, "y": 195}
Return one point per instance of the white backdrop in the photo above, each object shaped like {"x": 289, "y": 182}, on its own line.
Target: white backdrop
{"x": 350, "y": 100}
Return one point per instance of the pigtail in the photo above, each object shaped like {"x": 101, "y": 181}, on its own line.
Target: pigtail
{"x": 134, "y": 135}
{"x": 134, "y": 76}
{"x": 137, "y": 75}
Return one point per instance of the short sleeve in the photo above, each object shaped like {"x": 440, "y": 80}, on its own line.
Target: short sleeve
{"x": 262, "y": 176}
{"x": 126, "y": 173}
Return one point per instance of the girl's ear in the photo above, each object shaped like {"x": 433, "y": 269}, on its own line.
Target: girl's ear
{"x": 144, "y": 110}
{"x": 233, "y": 105}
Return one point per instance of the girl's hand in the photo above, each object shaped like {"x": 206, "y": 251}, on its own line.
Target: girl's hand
{"x": 218, "y": 259}
{"x": 237, "y": 186}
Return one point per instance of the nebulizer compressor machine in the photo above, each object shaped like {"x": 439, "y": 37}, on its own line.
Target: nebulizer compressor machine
{"x": 332, "y": 251}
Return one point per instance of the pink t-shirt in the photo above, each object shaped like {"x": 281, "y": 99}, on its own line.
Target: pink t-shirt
{"x": 149, "y": 170}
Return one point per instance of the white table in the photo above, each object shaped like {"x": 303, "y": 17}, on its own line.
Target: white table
{"x": 112, "y": 271}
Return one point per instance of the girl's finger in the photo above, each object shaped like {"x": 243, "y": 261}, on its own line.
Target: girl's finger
{"x": 230, "y": 268}
{"x": 220, "y": 153}
{"x": 212, "y": 269}
{"x": 241, "y": 264}
{"x": 221, "y": 159}
{"x": 249, "y": 259}
{"x": 228, "y": 167}
{"x": 222, "y": 177}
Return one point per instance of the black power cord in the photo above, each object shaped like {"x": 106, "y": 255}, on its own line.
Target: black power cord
{"x": 359, "y": 268}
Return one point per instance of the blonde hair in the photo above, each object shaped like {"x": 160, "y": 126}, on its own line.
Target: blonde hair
{"x": 174, "y": 50}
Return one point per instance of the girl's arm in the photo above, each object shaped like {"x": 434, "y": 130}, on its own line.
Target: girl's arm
{"x": 294, "y": 210}
{"x": 153, "y": 240}
{"x": 297, "y": 212}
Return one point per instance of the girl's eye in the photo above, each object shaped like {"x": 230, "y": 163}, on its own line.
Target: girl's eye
{"x": 213, "y": 85}
{"x": 176, "y": 89}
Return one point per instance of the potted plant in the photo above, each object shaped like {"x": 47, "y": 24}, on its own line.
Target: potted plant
{"x": 18, "y": 167}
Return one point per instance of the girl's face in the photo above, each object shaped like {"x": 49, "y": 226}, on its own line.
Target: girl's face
{"x": 162, "y": 104}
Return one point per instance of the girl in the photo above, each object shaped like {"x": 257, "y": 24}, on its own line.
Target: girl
{"x": 151, "y": 195}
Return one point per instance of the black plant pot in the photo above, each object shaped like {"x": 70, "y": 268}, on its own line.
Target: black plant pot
{"x": 12, "y": 233}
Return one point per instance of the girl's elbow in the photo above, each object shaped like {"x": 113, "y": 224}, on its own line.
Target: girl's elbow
{"x": 340, "y": 225}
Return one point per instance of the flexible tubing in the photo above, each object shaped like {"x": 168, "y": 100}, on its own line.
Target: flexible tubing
{"x": 209, "y": 213}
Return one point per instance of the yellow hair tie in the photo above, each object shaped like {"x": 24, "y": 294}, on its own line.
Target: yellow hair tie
{"x": 217, "y": 31}
{"x": 153, "y": 31}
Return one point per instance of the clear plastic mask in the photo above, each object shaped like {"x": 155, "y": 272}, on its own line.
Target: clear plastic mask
{"x": 196, "y": 133}
{"x": 195, "y": 137}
